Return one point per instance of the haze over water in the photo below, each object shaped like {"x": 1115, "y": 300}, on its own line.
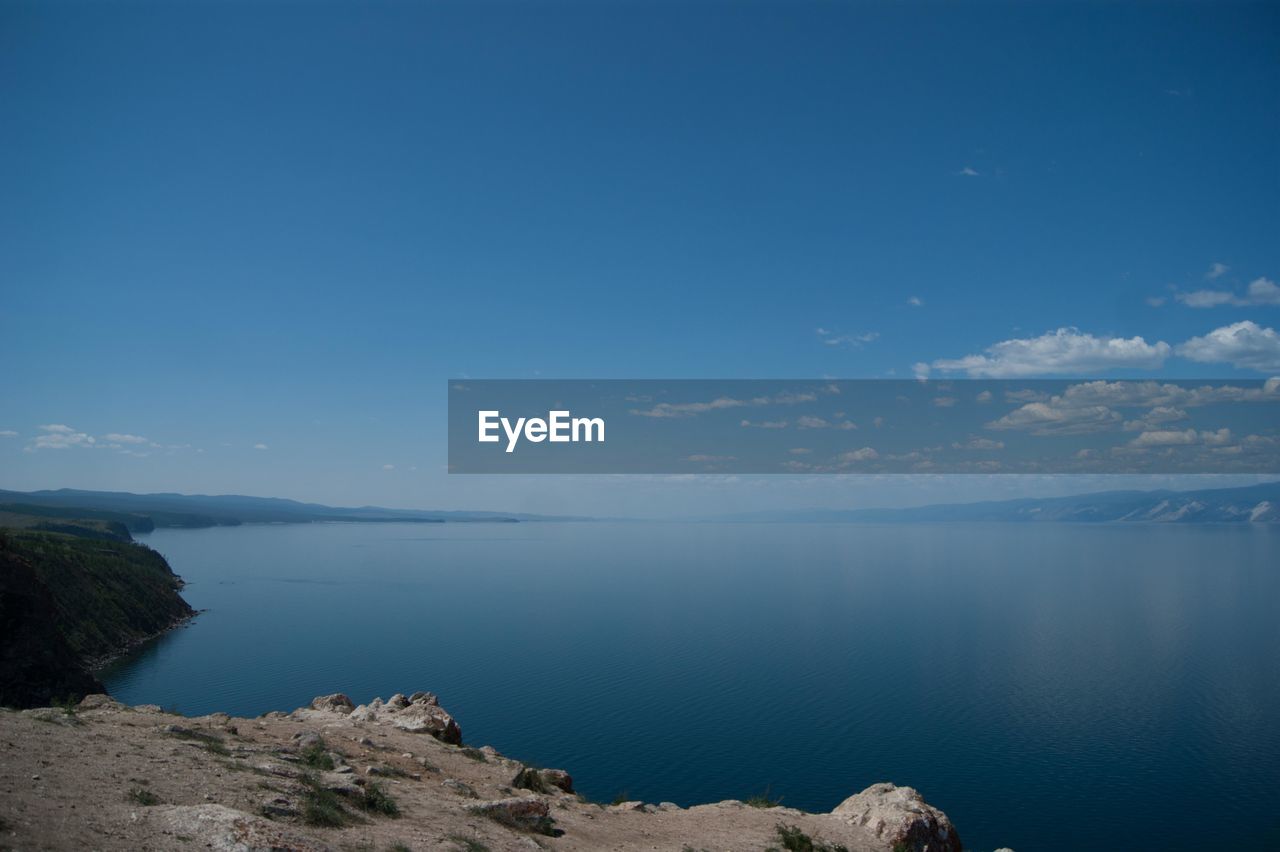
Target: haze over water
{"x": 1051, "y": 687}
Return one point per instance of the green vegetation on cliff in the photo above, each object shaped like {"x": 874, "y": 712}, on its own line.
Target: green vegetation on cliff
{"x": 67, "y": 600}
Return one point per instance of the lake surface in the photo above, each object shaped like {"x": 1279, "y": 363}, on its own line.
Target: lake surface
{"x": 1052, "y": 687}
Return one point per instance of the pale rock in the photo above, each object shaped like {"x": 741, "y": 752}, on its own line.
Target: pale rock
{"x": 335, "y": 703}
{"x": 225, "y": 829}
{"x": 364, "y": 713}
{"x": 99, "y": 702}
{"x": 459, "y": 787}
{"x": 423, "y": 718}
{"x": 900, "y": 817}
{"x": 307, "y": 739}
{"x": 277, "y": 807}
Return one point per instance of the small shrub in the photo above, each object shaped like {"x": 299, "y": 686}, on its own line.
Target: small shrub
{"x": 143, "y": 796}
{"x": 475, "y": 754}
{"x": 211, "y": 742}
{"x": 467, "y": 844}
{"x": 795, "y": 840}
{"x": 546, "y": 825}
{"x": 317, "y": 757}
{"x": 621, "y": 798}
{"x": 322, "y": 807}
{"x": 376, "y": 800}
{"x": 763, "y": 800}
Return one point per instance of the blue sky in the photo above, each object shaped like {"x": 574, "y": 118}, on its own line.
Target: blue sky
{"x": 230, "y": 226}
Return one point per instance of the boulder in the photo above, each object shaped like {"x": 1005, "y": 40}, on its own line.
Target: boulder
{"x": 543, "y": 780}
{"x": 307, "y": 739}
{"x": 364, "y": 713}
{"x": 524, "y": 812}
{"x": 901, "y": 818}
{"x": 423, "y": 718}
{"x": 424, "y": 697}
{"x": 398, "y": 701}
{"x": 278, "y": 806}
{"x": 336, "y": 703}
{"x": 224, "y": 829}
{"x": 459, "y": 787}
{"x": 340, "y": 782}
{"x": 99, "y": 702}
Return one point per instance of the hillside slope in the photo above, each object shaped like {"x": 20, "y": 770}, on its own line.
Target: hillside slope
{"x": 67, "y": 601}
{"x": 387, "y": 775}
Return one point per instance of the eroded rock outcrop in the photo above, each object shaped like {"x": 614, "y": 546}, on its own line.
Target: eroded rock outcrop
{"x": 336, "y": 703}
{"x": 902, "y": 817}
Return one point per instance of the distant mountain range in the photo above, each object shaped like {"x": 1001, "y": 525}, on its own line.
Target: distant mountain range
{"x": 143, "y": 512}
{"x": 1253, "y": 503}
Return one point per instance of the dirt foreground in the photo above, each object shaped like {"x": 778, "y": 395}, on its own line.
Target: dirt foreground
{"x": 383, "y": 776}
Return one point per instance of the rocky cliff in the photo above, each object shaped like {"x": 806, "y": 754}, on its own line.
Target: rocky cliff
{"x": 388, "y": 775}
{"x": 68, "y": 601}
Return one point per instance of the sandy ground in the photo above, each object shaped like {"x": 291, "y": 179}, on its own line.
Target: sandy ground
{"x": 114, "y": 777}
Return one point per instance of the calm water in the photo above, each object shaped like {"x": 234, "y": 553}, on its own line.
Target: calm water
{"x": 1050, "y": 687}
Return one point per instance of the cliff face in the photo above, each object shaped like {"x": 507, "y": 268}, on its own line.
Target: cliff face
{"x": 68, "y": 600}
{"x": 385, "y": 775}
{"x": 37, "y": 664}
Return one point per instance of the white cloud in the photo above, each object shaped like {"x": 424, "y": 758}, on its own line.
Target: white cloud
{"x": 944, "y": 401}
{"x": 1245, "y": 344}
{"x": 764, "y": 424}
{"x": 1154, "y": 418}
{"x": 1090, "y": 406}
{"x": 58, "y": 436}
{"x": 984, "y": 397}
{"x": 388, "y": 467}
{"x": 124, "y": 438}
{"x": 864, "y": 454}
{"x": 820, "y": 423}
{"x": 1155, "y": 301}
{"x": 710, "y": 459}
{"x": 260, "y": 446}
{"x": 689, "y": 409}
{"x": 799, "y": 451}
{"x": 915, "y": 302}
{"x": 855, "y": 341}
{"x": 979, "y": 444}
{"x": 1066, "y": 350}
{"x": 1217, "y": 270}
{"x": 1184, "y": 438}
{"x": 8, "y": 433}
{"x": 1261, "y": 291}
{"x": 1046, "y": 418}
{"x": 920, "y": 369}
{"x": 969, "y": 171}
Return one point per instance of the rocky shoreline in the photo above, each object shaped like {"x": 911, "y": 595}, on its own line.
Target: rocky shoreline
{"x": 94, "y": 665}
{"x": 387, "y": 775}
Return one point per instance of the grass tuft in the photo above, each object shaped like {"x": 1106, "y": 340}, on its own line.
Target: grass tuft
{"x": 323, "y": 808}
{"x": 764, "y": 800}
{"x": 467, "y": 844}
{"x": 142, "y": 796}
{"x": 795, "y": 840}
{"x": 376, "y": 800}
{"x": 317, "y": 756}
